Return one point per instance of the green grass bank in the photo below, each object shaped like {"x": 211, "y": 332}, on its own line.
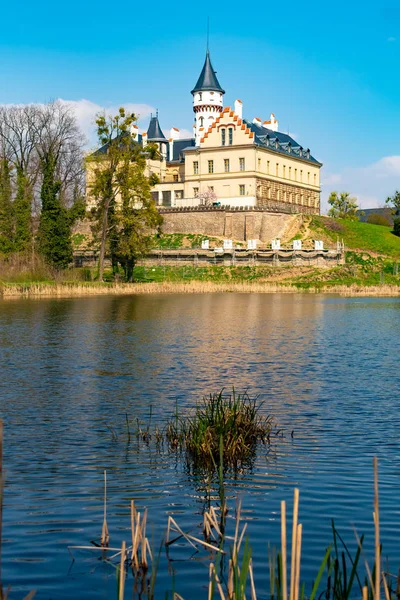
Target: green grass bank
{"x": 372, "y": 268}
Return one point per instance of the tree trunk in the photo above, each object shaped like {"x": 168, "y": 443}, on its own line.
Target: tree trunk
{"x": 130, "y": 265}
{"x": 103, "y": 240}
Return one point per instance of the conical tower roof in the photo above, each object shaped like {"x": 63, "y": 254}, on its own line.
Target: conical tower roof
{"x": 208, "y": 80}
{"x": 154, "y": 132}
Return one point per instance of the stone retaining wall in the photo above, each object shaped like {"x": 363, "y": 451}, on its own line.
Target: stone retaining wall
{"x": 240, "y": 225}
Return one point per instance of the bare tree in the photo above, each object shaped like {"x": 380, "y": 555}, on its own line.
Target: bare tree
{"x": 30, "y": 137}
{"x": 60, "y": 137}
{"x": 19, "y": 138}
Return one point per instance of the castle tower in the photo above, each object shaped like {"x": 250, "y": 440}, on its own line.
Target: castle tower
{"x": 155, "y": 135}
{"x": 208, "y": 100}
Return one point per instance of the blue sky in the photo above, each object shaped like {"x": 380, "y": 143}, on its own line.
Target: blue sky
{"x": 329, "y": 71}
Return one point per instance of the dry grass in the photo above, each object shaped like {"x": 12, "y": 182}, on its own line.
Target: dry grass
{"x": 69, "y": 290}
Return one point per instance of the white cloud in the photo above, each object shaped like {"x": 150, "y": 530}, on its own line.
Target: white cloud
{"x": 371, "y": 184}
{"x": 391, "y": 39}
{"x": 86, "y": 112}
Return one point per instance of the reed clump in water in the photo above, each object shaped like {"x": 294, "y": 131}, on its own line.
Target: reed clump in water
{"x": 233, "y": 418}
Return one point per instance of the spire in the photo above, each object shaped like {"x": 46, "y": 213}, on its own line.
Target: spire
{"x": 154, "y": 132}
{"x": 208, "y": 80}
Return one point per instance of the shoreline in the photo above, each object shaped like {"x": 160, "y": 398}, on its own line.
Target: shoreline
{"x": 73, "y": 290}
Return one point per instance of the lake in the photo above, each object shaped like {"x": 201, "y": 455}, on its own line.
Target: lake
{"x": 71, "y": 369}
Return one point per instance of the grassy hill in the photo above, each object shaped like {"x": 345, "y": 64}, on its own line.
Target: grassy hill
{"x": 357, "y": 236}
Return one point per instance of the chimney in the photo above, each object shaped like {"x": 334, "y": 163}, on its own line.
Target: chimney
{"x": 174, "y": 133}
{"x": 239, "y": 108}
{"x": 257, "y": 121}
{"x": 135, "y": 131}
{"x": 274, "y": 123}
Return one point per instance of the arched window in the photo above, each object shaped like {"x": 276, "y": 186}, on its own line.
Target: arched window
{"x": 201, "y": 121}
{"x": 223, "y": 136}
{"x": 200, "y": 96}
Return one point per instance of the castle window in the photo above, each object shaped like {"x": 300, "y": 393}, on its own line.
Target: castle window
{"x": 201, "y": 121}
{"x": 195, "y": 192}
{"x": 223, "y": 134}
{"x": 211, "y": 166}
{"x": 302, "y": 199}
{"x": 301, "y": 175}
{"x": 269, "y": 193}
{"x": 277, "y": 170}
{"x": 315, "y": 179}
{"x": 285, "y": 196}
{"x": 226, "y": 165}
{"x": 290, "y": 197}
{"x": 284, "y": 170}
{"x": 268, "y": 166}
{"x": 241, "y": 164}
{"x": 290, "y": 172}
{"x": 242, "y": 190}
{"x": 176, "y": 178}
{"x": 259, "y": 164}
{"x": 295, "y": 174}
{"x": 297, "y": 198}
{"x": 308, "y": 177}
{"x": 230, "y": 133}
{"x": 179, "y": 194}
{"x": 200, "y": 96}
{"x": 278, "y": 195}
{"x": 195, "y": 168}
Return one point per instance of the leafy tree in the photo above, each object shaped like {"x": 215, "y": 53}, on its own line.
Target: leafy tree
{"x": 394, "y": 202}
{"x": 125, "y": 212}
{"x": 343, "y": 206}
{"x": 54, "y": 234}
{"x": 6, "y": 208}
{"x": 23, "y": 211}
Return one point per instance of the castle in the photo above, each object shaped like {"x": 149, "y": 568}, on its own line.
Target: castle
{"x": 235, "y": 162}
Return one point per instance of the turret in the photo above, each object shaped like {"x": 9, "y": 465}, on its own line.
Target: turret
{"x": 155, "y": 135}
{"x": 208, "y": 100}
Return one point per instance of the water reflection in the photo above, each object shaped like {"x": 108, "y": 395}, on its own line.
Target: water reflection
{"x": 325, "y": 367}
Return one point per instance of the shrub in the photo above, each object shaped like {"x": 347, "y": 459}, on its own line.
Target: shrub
{"x": 396, "y": 227}
{"x": 376, "y": 219}
{"x": 334, "y": 225}
{"x": 234, "y": 418}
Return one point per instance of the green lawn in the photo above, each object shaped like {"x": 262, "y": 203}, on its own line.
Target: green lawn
{"x": 357, "y": 235}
